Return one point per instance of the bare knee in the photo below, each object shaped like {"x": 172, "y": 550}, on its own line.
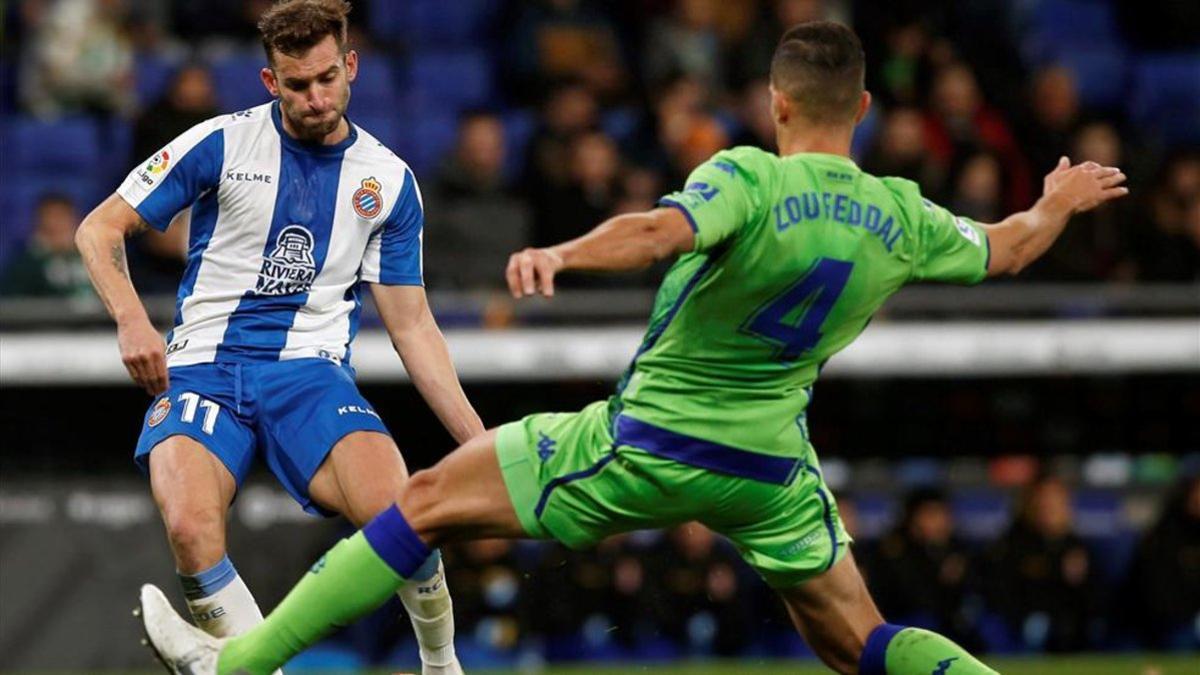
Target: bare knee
{"x": 196, "y": 534}
{"x": 419, "y": 504}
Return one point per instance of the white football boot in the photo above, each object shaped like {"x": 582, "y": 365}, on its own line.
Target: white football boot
{"x": 182, "y": 648}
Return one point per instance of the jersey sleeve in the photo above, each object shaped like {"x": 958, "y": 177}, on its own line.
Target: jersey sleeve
{"x": 393, "y": 256}
{"x": 951, "y": 248}
{"x": 718, "y": 200}
{"x": 172, "y": 179}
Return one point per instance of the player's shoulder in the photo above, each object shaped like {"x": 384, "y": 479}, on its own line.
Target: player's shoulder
{"x": 370, "y": 149}
{"x": 745, "y": 157}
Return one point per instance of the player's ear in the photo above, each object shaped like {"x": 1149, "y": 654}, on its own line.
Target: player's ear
{"x": 351, "y": 65}
{"x": 269, "y": 81}
{"x": 864, "y": 104}
{"x": 781, "y": 107}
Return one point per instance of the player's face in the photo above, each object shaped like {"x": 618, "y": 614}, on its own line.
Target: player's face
{"x": 314, "y": 88}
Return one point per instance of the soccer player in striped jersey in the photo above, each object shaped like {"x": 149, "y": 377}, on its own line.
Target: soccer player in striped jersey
{"x": 782, "y": 261}
{"x": 293, "y": 209}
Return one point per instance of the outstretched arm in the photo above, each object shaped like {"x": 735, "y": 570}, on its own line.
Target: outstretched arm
{"x": 1023, "y": 237}
{"x": 631, "y": 241}
{"x": 101, "y": 242}
{"x": 422, "y": 348}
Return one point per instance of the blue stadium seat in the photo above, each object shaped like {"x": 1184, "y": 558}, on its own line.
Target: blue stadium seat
{"x": 451, "y": 81}
{"x": 1056, "y": 26}
{"x": 433, "y": 23}
{"x": 1101, "y": 73}
{"x": 427, "y": 141}
{"x": 69, "y": 145}
{"x": 1166, "y": 96}
{"x": 236, "y": 79}
{"x": 374, "y": 90}
{"x": 519, "y": 126}
{"x": 152, "y": 73}
{"x": 19, "y": 193}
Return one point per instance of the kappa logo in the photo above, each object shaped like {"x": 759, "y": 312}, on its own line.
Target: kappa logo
{"x": 161, "y": 409}
{"x": 545, "y": 446}
{"x": 367, "y": 200}
{"x": 290, "y": 267}
{"x": 943, "y": 666}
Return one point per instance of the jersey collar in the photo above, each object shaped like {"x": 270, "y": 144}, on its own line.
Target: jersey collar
{"x": 311, "y": 148}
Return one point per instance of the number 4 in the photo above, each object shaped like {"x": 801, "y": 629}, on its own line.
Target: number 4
{"x": 814, "y": 295}
{"x": 190, "y": 402}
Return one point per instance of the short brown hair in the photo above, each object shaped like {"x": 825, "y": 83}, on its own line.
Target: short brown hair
{"x": 820, "y": 65}
{"x": 293, "y": 27}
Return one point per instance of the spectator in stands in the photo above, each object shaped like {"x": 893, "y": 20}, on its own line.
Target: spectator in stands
{"x": 1039, "y": 576}
{"x": 1168, "y": 249}
{"x": 588, "y": 196}
{"x": 960, "y": 123}
{"x": 556, "y": 39}
{"x": 487, "y": 585}
{"x": 680, "y": 133}
{"x": 704, "y": 608}
{"x": 750, "y": 56}
{"x": 78, "y": 60}
{"x": 1162, "y": 596}
{"x": 50, "y": 266}
{"x": 754, "y": 113}
{"x": 1054, "y": 117}
{"x": 569, "y": 110}
{"x": 979, "y": 189}
{"x": 1096, "y": 246}
{"x": 188, "y": 101}
{"x": 685, "y": 42}
{"x": 921, "y": 572}
{"x": 902, "y": 151}
{"x": 473, "y": 213}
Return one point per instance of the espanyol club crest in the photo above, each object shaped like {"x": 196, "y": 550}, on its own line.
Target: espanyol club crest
{"x": 160, "y": 412}
{"x": 290, "y": 267}
{"x": 367, "y": 200}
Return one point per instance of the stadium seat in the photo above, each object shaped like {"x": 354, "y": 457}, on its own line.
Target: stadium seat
{"x": 1058, "y": 26}
{"x": 426, "y": 141}
{"x": 69, "y": 145}
{"x": 237, "y": 82}
{"x": 1166, "y": 96}
{"x": 19, "y": 195}
{"x": 450, "y": 81}
{"x": 152, "y": 73}
{"x": 433, "y": 23}
{"x": 374, "y": 90}
{"x": 519, "y": 126}
{"x": 1101, "y": 73}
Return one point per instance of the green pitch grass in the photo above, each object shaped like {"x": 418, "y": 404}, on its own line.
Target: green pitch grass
{"x": 1116, "y": 664}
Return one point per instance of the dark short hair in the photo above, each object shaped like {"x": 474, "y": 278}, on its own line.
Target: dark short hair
{"x": 293, "y": 27}
{"x": 820, "y": 66}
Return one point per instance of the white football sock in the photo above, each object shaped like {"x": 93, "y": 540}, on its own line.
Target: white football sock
{"x": 219, "y": 601}
{"x": 432, "y": 614}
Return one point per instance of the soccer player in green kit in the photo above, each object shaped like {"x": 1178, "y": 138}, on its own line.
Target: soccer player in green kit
{"x": 782, "y": 262}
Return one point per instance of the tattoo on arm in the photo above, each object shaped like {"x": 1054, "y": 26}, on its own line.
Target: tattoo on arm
{"x": 118, "y": 258}
{"x": 139, "y": 227}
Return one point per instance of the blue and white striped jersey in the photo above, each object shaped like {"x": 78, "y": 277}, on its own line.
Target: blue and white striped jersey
{"x": 282, "y": 234}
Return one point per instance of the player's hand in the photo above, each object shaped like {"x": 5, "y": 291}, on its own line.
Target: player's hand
{"x": 1084, "y": 186}
{"x": 532, "y": 271}
{"x": 145, "y": 355}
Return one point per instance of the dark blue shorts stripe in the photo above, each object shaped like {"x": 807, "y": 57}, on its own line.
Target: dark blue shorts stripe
{"x": 704, "y": 454}
{"x": 562, "y": 480}
{"x": 833, "y": 542}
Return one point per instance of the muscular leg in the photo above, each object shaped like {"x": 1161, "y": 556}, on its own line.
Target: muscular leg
{"x": 835, "y": 614}
{"x": 362, "y": 476}
{"x": 193, "y": 490}
{"x": 463, "y": 497}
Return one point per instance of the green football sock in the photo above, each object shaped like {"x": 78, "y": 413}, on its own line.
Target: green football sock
{"x": 897, "y": 650}
{"x": 349, "y": 581}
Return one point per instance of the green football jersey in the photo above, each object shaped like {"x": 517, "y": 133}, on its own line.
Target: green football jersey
{"x": 793, "y": 255}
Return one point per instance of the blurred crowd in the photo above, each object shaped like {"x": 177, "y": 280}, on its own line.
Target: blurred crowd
{"x": 1039, "y": 584}
{"x": 530, "y": 122}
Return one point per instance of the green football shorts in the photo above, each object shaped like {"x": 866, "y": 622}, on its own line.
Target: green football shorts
{"x": 570, "y": 481}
